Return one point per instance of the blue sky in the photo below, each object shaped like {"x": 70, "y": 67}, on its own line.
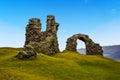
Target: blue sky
{"x": 100, "y": 19}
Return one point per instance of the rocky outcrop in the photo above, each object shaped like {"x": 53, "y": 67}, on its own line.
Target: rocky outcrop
{"x": 40, "y": 42}
{"x": 27, "y": 52}
{"x": 91, "y": 47}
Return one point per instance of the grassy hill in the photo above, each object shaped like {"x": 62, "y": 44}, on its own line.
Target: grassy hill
{"x": 63, "y": 66}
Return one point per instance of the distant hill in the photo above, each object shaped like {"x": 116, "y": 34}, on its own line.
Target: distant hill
{"x": 66, "y": 65}
{"x": 112, "y": 52}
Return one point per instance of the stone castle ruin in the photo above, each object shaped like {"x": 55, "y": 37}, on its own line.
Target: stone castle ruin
{"x": 91, "y": 47}
{"x": 46, "y": 42}
{"x": 40, "y": 42}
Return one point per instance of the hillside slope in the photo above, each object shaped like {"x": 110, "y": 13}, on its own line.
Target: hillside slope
{"x": 63, "y": 66}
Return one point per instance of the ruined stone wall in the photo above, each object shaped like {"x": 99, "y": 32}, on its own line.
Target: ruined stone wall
{"x": 46, "y": 42}
{"x": 91, "y": 47}
{"x": 40, "y": 42}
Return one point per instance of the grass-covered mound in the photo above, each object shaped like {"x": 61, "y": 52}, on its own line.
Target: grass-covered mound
{"x": 63, "y": 66}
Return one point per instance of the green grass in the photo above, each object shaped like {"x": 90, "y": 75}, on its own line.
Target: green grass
{"x": 63, "y": 66}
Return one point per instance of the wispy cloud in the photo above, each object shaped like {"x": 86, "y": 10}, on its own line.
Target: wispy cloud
{"x": 114, "y": 11}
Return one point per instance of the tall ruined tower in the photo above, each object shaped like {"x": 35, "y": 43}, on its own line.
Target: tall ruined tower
{"x": 40, "y": 42}
{"x": 33, "y": 29}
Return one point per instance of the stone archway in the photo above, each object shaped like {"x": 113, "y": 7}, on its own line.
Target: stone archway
{"x": 91, "y": 47}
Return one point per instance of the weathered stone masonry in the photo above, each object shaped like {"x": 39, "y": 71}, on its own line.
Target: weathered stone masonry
{"x": 91, "y": 47}
{"x": 46, "y": 42}
{"x": 40, "y": 42}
